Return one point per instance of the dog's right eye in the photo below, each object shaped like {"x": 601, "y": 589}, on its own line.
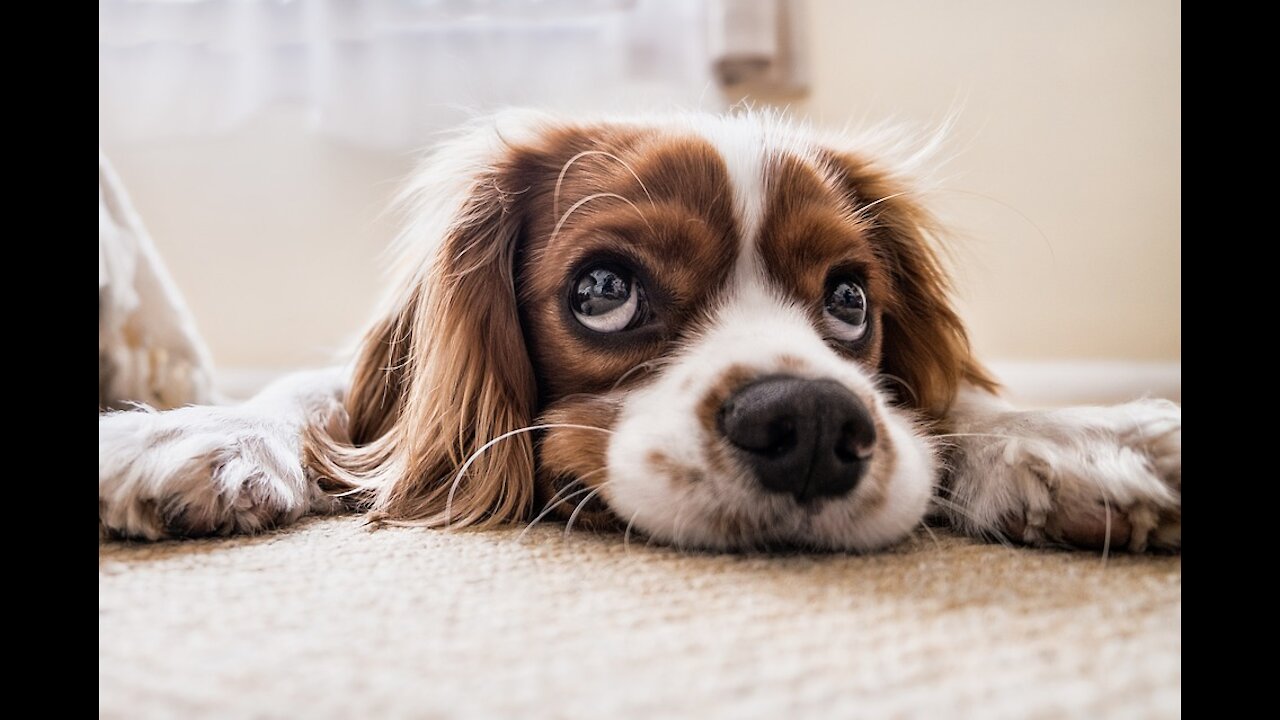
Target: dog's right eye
{"x": 606, "y": 299}
{"x": 846, "y": 309}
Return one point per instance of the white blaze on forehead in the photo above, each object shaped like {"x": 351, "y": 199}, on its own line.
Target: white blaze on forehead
{"x": 744, "y": 148}
{"x": 750, "y": 146}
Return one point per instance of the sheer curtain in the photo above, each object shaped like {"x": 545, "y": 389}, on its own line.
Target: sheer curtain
{"x": 388, "y": 72}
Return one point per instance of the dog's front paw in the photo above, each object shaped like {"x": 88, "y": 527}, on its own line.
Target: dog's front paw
{"x": 198, "y": 471}
{"x": 1087, "y": 477}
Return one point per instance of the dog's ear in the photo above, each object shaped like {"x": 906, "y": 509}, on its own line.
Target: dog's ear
{"x": 925, "y": 344}
{"x": 443, "y": 381}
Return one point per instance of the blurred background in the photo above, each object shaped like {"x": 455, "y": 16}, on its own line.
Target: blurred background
{"x": 261, "y": 141}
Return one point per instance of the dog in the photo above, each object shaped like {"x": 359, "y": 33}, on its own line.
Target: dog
{"x": 721, "y": 332}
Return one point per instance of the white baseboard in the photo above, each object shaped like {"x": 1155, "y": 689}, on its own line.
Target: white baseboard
{"x": 1032, "y": 383}
{"x": 1088, "y": 382}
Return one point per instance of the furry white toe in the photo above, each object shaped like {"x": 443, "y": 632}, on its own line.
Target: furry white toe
{"x": 214, "y": 470}
{"x": 1090, "y": 477}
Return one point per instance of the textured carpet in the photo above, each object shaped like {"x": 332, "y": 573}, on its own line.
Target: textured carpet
{"x": 332, "y": 620}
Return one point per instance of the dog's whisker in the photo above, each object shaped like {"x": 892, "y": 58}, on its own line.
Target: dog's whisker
{"x": 1106, "y": 509}
{"x": 549, "y": 508}
{"x": 555, "y": 199}
{"x": 462, "y": 471}
{"x": 925, "y": 525}
{"x": 1044, "y": 237}
{"x": 596, "y": 196}
{"x": 861, "y": 213}
{"x": 915, "y": 397}
{"x": 581, "y": 504}
{"x": 626, "y": 534}
{"x": 555, "y": 501}
{"x": 647, "y": 365}
{"x": 963, "y": 512}
{"x": 1106, "y": 539}
{"x": 676, "y": 529}
{"x": 944, "y": 436}
{"x": 527, "y": 528}
{"x": 576, "y": 481}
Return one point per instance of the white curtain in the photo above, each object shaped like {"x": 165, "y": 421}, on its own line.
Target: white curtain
{"x": 388, "y": 72}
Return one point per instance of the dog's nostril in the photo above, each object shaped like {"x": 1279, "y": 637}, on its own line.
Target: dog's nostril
{"x": 783, "y": 436}
{"x": 853, "y": 444}
{"x": 807, "y": 438}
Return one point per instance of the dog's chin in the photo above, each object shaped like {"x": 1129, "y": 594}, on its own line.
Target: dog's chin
{"x": 824, "y": 526}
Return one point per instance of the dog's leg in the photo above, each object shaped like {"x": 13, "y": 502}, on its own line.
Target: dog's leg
{"x": 205, "y": 470}
{"x": 1084, "y": 476}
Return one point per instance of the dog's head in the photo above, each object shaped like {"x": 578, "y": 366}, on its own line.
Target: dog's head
{"x": 721, "y": 331}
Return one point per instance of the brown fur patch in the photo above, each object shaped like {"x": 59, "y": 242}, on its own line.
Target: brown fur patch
{"x": 677, "y": 472}
{"x": 672, "y": 222}
{"x": 921, "y": 338}
{"x": 729, "y": 382}
{"x": 792, "y": 363}
{"x": 713, "y": 446}
{"x": 811, "y": 231}
{"x": 572, "y": 459}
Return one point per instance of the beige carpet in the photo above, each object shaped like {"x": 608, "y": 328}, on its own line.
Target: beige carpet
{"x": 332, "y": 620}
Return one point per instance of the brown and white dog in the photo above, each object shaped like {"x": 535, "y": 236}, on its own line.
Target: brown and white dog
{"x": 723, "y": 332}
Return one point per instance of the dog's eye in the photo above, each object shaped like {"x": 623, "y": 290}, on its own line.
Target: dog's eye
{"x": 846, "y": 309}
{"x": 606, "y": 299}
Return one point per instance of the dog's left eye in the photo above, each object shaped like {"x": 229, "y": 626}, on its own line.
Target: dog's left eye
{"x": 606, "y": 299}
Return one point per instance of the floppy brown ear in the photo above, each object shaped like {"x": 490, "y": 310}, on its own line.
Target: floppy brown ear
{"x": 444, "y": 372}
{"x": 925, "y": 344}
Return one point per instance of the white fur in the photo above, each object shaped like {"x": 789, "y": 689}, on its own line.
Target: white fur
{"x": 1037, "y": 468}
{"x": 213, "y": 470}
{"x": 744, "y": 149}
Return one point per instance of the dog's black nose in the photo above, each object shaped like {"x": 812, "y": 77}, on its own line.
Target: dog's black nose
{"x": 809, "y": 438}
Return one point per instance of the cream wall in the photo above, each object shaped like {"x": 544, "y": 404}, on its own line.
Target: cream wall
{"x": 1065, "y": 182}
